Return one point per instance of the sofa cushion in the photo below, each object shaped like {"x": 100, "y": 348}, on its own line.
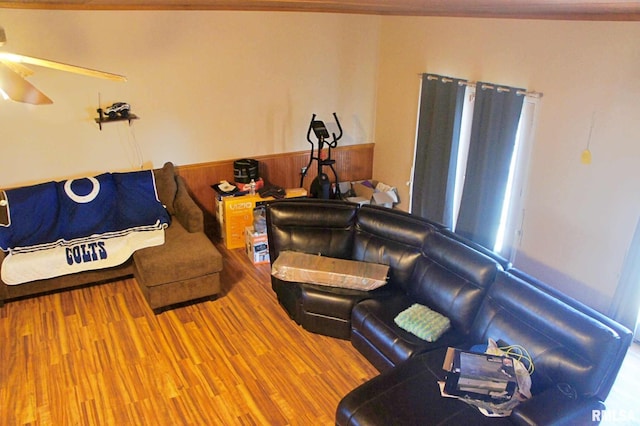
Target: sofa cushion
{"x": 330, "y": 302}
{"x": 311, "y": 226}
{"x": 452, "y": 278}
{"x": 166, "y": 186}
{"x": 301, "y": 301}
{"x": 184, "y": 255}
{"x": 321, "y": 309}
{"x": 390, "y": 238}
{"x": 328, "y": 310}
{"x": 375, "y": 334}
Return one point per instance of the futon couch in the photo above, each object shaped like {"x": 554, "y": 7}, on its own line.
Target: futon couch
{"x": 576, "y": 351}
{"x": 186, "y": 267}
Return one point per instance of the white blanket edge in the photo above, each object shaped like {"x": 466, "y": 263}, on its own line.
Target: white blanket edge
{"x": 21, "y": 267}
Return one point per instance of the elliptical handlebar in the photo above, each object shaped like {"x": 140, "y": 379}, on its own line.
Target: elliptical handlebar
{"x": 335, "y": 140}
{"x": 313, "y": 117}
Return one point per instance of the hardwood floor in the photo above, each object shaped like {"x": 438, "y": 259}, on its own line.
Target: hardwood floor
{"x": 99, "y": 356}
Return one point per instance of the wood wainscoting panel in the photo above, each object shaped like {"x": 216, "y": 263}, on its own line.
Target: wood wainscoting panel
{"x": 353, "y": 162}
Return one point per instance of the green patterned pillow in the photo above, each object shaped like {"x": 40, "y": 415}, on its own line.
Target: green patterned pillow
{"x": 423, "y": 322}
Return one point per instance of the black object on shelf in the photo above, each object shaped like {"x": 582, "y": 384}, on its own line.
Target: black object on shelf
{"x": 245, "y": 169}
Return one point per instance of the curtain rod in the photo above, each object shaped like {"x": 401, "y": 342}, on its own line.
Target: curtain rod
{"x": 537, "y": 95}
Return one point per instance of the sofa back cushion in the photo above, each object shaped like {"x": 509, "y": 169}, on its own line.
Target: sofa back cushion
{"x": 504, "y": 263}
{"x": 390, "y": 238}
{"x": 625, "y": 334}
{"x": 311, "y": 226}
{"x": 452, "y": 278}
{"x": 166, "y": 186}
{"x": 566, "y": 345}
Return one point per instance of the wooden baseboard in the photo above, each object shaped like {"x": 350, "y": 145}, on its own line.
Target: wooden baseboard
{"x": 353, "y": 162}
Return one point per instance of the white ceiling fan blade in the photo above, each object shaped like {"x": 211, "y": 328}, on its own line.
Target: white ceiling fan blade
{"x": 19, "y": 89}
{"x": 12, "y": 57}
{"x": 18, "y": 68}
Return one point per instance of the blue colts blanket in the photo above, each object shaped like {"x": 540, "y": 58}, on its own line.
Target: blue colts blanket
{"x": 57, "y": 228}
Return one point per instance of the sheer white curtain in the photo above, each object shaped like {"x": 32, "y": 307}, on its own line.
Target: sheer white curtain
{"x": 510, "y": 229}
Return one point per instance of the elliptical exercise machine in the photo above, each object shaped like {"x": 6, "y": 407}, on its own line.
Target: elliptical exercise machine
{"x": 321, "y": 185}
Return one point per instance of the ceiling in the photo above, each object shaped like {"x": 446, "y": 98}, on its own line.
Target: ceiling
{"x": 601, "y": 10}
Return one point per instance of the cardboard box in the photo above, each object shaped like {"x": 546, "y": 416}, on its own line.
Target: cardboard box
{"x": 374, "y": 192}
{"x": 345, "y": 189}
{"x": 257, "y": 245}
{"x": 234, "y": 214}
{"x": 385, "y": 195}
{"x": 323, "y": 270}
{"x": 359, "y": 200}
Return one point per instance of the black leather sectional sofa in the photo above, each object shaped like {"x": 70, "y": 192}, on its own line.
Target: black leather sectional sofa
{"x": 576, "y": 351}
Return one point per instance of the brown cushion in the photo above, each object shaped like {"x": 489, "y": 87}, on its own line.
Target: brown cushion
{"x": 184, "y": 255}
{"x": 166, "y": 185}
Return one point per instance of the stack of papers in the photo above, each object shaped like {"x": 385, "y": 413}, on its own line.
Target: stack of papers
{"x": 479, "y": 376}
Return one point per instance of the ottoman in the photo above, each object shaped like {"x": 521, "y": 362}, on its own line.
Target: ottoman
{"x": 185, "y": 268}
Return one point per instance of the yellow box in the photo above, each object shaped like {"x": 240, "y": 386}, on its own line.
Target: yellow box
{"x": 236, "y": 213}
{"x": 257, "y": 246}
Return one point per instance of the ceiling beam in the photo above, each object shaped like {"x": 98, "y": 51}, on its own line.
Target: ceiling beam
{"x": 601, "y": 10}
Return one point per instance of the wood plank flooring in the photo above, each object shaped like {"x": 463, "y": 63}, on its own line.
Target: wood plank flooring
{"x": 99, "y": 356}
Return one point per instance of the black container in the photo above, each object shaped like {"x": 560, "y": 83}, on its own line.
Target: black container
{"x": 244, "y": 170}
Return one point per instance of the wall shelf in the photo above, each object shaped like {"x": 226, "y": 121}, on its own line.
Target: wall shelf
{"x": 102, "y": 119}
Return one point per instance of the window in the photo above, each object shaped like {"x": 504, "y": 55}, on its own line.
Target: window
{"x": 512, "y": 217}
{"x": 487, "y": 144}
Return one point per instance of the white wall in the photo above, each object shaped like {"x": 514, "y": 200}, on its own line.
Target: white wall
{"x": 578, "y": 219}
{"x": 208, "y": 86}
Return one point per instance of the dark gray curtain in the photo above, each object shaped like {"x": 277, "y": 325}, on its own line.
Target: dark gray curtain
{"x": 493, "y": 134}
{"x": 437, "y": 148}
{"x": 626, "y": 300}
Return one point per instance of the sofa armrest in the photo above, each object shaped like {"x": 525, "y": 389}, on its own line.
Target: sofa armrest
{"x": 554, "y": 407}
{"x": 187, "y": 211}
